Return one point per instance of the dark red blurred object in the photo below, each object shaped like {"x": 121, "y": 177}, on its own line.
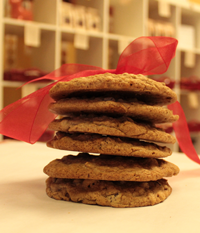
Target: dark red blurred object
{"x": 23, "y": 75}
{"x": 170, "y": 83}
{"x": 191, "y": 83}
{"x": 47, "y": 135}
{"x": 194, "y": 126}
{"x": 19, "y": 11}
{"x": 169, "y": 130}
{"x": 167, "y": 127}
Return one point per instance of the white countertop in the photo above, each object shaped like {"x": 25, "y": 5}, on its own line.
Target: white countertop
{"x": 25, "y": 207}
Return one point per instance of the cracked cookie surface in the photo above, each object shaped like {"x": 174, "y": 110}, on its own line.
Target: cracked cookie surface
{"x": 136, "y": 85}
{"x": 107, "y": 193}
{"x": 134, "y": 109}
{"x": 114, "y": 168}
{"x": 104, "y": 125}
{"x": 107, "y": 145}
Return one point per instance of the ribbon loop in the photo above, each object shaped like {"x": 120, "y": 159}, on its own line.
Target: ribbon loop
{"x": 147, "y": 55}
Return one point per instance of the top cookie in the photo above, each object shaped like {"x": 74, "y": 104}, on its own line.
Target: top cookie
{"x": 138, "y": 86}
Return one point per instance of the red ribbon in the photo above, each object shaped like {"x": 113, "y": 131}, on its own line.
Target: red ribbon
{"x": 182, "y": 132}
{"x": 28, "y": 118}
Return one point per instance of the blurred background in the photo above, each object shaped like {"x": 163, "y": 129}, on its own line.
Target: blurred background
{"x": 38, "y": 36}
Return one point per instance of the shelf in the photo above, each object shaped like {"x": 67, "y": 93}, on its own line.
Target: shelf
{"x": 16, "y": 26}
{"x": 195, "y": 134}
{"x": 118, "y": 37}
{"x": 192, "y": 50}
{"x": 19, "y": 84}
{"x": 121, "y": 22}
{"x": 16, "y": 84}
{"x": 73, "y": 31}
{"x": 185, "y": 4}
{"x": 187, "y": 92}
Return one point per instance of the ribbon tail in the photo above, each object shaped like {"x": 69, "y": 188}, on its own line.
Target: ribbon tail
{"x": 182, "y": 133}
{"x": 28, "y": 118}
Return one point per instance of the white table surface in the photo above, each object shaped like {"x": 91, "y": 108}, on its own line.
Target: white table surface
{"x": 25, "y": 207}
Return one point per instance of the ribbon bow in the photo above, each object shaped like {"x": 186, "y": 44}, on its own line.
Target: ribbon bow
{"x": 28, "y": 118}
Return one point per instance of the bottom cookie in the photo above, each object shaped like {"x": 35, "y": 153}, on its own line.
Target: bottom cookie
{"x": 109, "y": 193}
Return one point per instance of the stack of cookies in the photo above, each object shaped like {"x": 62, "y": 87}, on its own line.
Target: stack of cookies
{"x": 109, "y": 120}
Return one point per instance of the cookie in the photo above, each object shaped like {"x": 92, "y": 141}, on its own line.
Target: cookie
{"x": 112, "y": 106}
{"x": 138, "y": 86}
{"x": 120, "y": 127}
{"x": 114, "y": 168}
{"x": 107, "y": 145}
{"x": 108, "y": 193}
